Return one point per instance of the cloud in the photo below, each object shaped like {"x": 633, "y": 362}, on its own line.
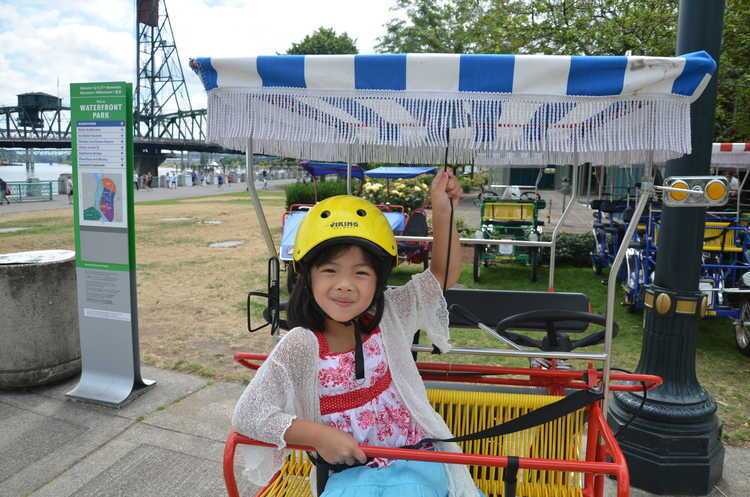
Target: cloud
{"x": 74, "y": 44}
{"x": 240, "y": 28}
{"x": 87, "y": 40}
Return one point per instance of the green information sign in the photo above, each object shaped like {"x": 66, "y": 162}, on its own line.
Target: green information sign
{"x": 102, "y": 152}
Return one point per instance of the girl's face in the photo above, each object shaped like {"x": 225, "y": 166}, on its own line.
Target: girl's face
{"x": 345, "y": 285}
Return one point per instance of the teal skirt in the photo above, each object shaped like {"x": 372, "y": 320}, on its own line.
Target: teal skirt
{"x": 399, "y": 479}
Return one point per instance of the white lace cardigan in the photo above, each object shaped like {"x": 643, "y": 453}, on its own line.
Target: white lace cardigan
{"x": 286, "y": 385}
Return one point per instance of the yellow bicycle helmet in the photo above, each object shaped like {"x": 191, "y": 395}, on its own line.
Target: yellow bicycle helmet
{"x": 344, "y": 218}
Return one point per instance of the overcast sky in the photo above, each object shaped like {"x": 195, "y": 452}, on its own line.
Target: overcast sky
{"x": 42, "y": 42}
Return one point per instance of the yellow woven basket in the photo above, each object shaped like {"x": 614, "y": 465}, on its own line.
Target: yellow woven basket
{"x": 469, "y": 411}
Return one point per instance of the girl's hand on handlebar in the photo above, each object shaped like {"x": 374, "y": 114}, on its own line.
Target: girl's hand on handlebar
{"x": 338, "y": 447}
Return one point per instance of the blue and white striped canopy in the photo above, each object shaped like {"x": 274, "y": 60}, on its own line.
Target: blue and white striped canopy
{"x": 485, "y": 108}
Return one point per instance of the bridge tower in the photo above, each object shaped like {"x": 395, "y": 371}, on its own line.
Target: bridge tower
{"x": 162, "y": 106}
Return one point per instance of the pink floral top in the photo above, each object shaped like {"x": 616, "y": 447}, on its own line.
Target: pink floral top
{"x": 371, "y": 410}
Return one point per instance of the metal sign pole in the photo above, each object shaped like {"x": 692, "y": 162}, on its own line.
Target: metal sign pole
{"x": 102, "y": 154}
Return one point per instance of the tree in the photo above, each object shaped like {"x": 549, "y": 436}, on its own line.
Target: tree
{"x": 600, "y": 27}
{"x": 324, "y": 41}
{"x": 453, "y": 26}
{"x": 592, "y": 27}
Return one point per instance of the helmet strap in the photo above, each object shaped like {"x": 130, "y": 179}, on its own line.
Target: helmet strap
{"x": 359, "y": 355}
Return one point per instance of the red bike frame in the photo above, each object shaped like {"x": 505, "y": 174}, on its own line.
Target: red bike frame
{"x": 603, "y": 454}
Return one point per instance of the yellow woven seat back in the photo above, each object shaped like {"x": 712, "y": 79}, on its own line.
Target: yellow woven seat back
{"x": 508, "y": 211}
{"x": 470, "y": 411}
{"x": 717, "y": 238}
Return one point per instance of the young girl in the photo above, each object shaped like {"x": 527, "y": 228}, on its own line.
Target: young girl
{"x": 344, "y": 376}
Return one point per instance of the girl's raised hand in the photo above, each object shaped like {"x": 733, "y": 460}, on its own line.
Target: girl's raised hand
{"x": 445, "y": 187}
{"x": 338, "y": 447}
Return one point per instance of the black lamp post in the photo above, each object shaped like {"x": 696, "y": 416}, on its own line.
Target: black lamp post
{"x": 674, "y": 446}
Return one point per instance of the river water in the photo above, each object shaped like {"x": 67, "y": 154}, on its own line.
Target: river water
{"x": 42, "y": 172}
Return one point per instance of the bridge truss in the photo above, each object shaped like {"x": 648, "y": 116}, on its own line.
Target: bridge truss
{"x": 21, "y": 127}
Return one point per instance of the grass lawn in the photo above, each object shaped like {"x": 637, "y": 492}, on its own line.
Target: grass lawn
{"x": 192, "y": 298}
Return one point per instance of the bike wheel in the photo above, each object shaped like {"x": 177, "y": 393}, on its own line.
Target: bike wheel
{"x": 742, "y": 331}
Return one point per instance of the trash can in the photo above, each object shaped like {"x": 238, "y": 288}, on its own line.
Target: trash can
{"x": 39, "y": 335}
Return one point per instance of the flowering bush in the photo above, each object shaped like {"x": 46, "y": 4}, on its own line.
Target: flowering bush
{"x": 410, "y": 193}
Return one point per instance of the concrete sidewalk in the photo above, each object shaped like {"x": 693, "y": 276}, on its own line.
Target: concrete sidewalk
{"x": 166, "y": 443}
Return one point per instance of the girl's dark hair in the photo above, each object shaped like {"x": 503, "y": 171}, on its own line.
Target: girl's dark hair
{"x": 304, "y": 311}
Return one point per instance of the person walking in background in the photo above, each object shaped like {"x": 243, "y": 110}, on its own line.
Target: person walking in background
{"x": 69, "y": 188}
{"x": 220, "y": 180}
{"x": 4, "y": 192}
{"x": 135, "y": 180}
{"x": 264, "y": 174}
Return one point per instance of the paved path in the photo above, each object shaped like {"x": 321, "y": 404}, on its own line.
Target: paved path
{"x": 166, "y": 443}
{"x": 61, "y": 201}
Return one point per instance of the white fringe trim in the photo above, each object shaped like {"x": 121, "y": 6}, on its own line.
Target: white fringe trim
{"x": 405, "y": 127}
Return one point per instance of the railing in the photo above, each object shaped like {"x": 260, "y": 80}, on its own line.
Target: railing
{"x": 35, "y": 191}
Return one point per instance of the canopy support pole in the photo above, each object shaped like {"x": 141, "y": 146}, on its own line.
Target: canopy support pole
{"x": 256, "y": 200}
{"x": 609, "y": 316}
{"x": 568, "y": 208}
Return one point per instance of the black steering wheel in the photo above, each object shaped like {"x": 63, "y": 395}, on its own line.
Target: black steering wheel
{"x": 530, "y": 196}
{"x": 554, "y": 341}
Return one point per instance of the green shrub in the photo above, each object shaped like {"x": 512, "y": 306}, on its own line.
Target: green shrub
{"x": 303, "y": 193}
{"x": 466, "y": 183}
{"x": 464, "y": 230}
{"x": 573, "y": 249}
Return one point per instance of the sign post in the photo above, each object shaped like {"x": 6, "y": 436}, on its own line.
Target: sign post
{"x": 102, "y": 154}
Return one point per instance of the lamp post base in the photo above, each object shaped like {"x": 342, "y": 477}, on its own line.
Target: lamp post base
{"x": 668, "y": 457}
